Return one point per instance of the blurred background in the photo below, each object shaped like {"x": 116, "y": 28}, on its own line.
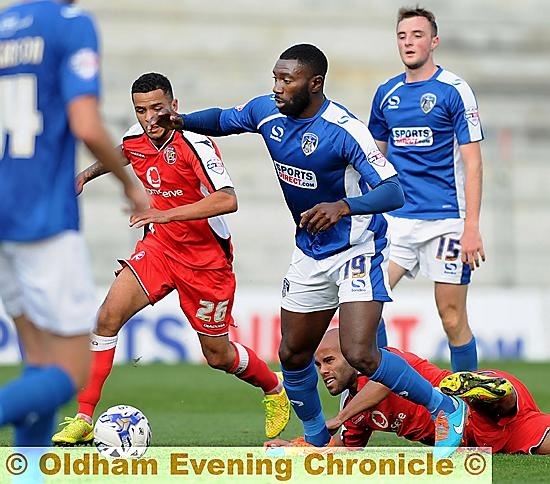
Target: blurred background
{"x": 222, "y": 54}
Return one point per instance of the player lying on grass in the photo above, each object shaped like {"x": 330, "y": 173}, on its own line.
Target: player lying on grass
{"x": 502, "y": 412}
{"x": 187, "y": 249}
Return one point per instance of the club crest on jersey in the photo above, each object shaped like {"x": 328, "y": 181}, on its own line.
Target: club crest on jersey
{"x": 427, "y": 102}
{"x": 309, "y": 143}
{"x": 170, "y": 155}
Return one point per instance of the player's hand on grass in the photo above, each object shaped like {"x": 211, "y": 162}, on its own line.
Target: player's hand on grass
{"x": 323, "y": 216}
{"x": 166, "y": 118}
{"x": 473, "y": 252}
{"x": 276, "y": 443}
{"x": 149, "y": 216}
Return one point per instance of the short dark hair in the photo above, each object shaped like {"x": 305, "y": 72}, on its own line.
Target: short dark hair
{"x": 410, "y": 12}
{"x": 151, "y": 82}
{"x": 307, "y": 55}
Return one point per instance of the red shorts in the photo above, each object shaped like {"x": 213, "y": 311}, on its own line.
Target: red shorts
{"x": 519, "y": 433}
{"x": 206, "y": 296}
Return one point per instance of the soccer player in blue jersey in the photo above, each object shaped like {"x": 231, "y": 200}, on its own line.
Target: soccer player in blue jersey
{"x": 336, "y": 184}
{"x": 49, "y": 89}
{"x": 426, "y": 122}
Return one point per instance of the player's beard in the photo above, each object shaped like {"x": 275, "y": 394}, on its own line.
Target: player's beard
{"x": 297, "y": 104}
{"x": 158, "y": 139}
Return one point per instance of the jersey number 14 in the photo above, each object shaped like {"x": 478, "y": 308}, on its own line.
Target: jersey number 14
{"x": 19, "y": 116}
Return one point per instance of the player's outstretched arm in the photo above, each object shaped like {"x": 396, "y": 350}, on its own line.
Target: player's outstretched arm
{"x": 166, "y": 118}
{"x": 206, "y": 122}
{"x": 369, "y": 396}
{"x": 87, "y": 126}
{"x": 217, "y": 203}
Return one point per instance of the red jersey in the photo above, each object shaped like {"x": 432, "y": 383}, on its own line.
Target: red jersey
{"x": 520, "y": 432}
{"x": 186, "y": 169}
{"x": 394, "y": 413}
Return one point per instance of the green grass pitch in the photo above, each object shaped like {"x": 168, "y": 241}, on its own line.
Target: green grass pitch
{"x": 193, "y": 405}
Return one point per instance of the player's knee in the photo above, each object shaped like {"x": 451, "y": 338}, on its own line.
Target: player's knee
{"x": 454, "y": 324}
{"x": 218, "y": 360}
{"x": 363, "y": 359}
{"x": 109, "y": 321}
{"x": 292, "y": 359}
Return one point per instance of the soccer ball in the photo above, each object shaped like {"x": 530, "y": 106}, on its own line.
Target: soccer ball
{"x": 122, "y": 432}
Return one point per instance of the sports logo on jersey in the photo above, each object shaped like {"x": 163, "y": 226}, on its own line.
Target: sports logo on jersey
{"x": 472, "y": 116}
{"x": 153, "y": 177}
{"x": 375, "y": 157}
{"x": 309, "y": 143}
{"x": 427, "y": 102}
{"x": 414, "y": 136}
{"x": 85, "y": 63}
{"x": 343, "y": 119}
{"x": 71, "y": 11}
{"x": 277, "y": 133}
{"x": 296, "y": 176}
{"x": 135, "y": 153}
{"x": 393, "y": 102}
{"x": 379, "y": 419}
{"x": 216, "y": 165}
{"x": 358, "y": 285}
{"x": 170, "y": 155}
{"x": 398, "y": 422}
{"x": 286, "y": 287}
{"x": 140, "y": 255}
{"x": 357, "y": 419}
{"x": 240, "y": 107}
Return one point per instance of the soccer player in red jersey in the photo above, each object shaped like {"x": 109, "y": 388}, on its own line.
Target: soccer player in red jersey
{"x": 503, "y": 414}
{"x": 187, "y": 249}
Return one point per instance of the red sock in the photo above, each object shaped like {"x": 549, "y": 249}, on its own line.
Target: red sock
{"x": 251, "y": 369}
{"x": 103, "y": 353}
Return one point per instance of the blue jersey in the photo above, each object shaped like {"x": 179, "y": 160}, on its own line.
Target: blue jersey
{"x": 325, "y": 158}
{"x": 423, "y": 123}
{"x": 48, "y": 57}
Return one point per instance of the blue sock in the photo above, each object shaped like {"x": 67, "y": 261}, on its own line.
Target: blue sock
{"x": 35, "y": 432}
{"x": 464, "y": 358}
{"x": 401, "y": 378}
{"x": 381, "y": 336}
{"x": 35, "y": 395}
{"x": 301, "y": 389}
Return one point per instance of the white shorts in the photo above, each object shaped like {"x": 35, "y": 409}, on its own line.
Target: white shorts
{"x": 429, "y": 246}
{"x": 50, "y": 282}
{"x": 350, "y": 276}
